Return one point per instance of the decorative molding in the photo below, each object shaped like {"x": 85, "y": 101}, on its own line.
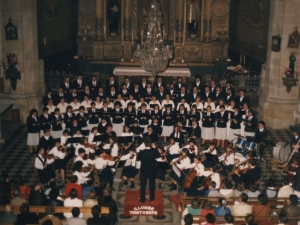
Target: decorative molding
{"x": 220, "y": 8}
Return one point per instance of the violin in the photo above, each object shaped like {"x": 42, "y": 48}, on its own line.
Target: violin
{"x": 88, "y": 145}
{"x": 48, "y": 156}
{"x": 192, "y": 148}
{"x": 163, "y": 156}
{"x": 180, "y": 159}
{"x": 170, "y": 145}
{"x": 108, "y": 157}
{"x": 61, "y": 149}
{"x": 132, "y": 156}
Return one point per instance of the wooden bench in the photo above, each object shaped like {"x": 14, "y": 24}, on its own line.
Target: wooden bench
{"x": 58, "y": 209}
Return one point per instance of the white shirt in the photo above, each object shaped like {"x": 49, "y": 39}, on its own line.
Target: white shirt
{"x": 141, "y": 147}
{"x": 51, "y": 152}
{"x": 188, "y": 147}
{"x": 91, "y": 138}
{"x": 126, "y": 134}
{"x": 86, "y": 104}
{"x": 183, "y": 163}
{"x": 85, "y": 162}
{"x": 76, "y": 136}
{"x": 134, "y": 102}
{"x": 75, "y": 106}
{"x": 73, "y": 203}
{"x": 87, "y": 150}
{"x": 129, "y": 162}
{"x": 51, "y": 109}
{"x": 164, "y": 102}
{"x": 156, "y": 103}
{"x": 285, "y": 191}
{"x": 100, "y": 163}
{"x": 98, "y": 105}
{"x": 38, "y": 164}
{"x": 199, "y": 168}
{"x": 186, "y": 106}
{"x": 229, "y": 159}
{"x": 199, "y": 106}
{"x": 212, "y": 105}
{"x": 214, "y": 152}
{"x": 62, "y": 108}
{"x": 174, "y": 149}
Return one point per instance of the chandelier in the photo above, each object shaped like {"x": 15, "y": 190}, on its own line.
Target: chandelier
{"x": 153, "y": 54}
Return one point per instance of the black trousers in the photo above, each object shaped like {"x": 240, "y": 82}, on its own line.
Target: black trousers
{"x": 145, "y": 175}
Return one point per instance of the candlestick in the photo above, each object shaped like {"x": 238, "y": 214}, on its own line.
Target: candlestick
{"x": 132, "y": 37}
{"x": 241, "y": 59}
{"x": 174, "y": 37}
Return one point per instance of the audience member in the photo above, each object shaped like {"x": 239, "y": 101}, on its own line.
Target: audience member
{"x": 90, "y": 202}
{"x": 210, "y": 219}
{"x": 47, "y": 222}
{"x": 229, "y": 219}
{"x": 286, "y": 190}
{"x": 188, "y": 219}
{"x": 249, "y": 220}
{"x": 54, "y": 199}
{"x": 27, "y": 217}
{"x": 292, "y": 209}
{"x": 226, "y": 190}
{"x": 97, "y": 218}
{"x": 7, "y": 217}
{"x": 242, "y": 208}
{"x": 108, "y": 201}
{"x": 51, "y": 185}
{"x": 193, "y": 209}
{"x": 18, "y": 184}
{"x": 72, "y": 201}
{"x": 73, "y": 184}
{"x": 37, "y": 196}
{"x": 50, "y": 216}
{"x": 240, "y": 188}
{"x": 17, "y": 200}
{"x": 212, "y": 191}
{"x": 253, "y": 191}
{"x": 207, "y": 208}
{"x": 75, "y": 219}
{"x": 5, "y": 188}
{"x": 282, "y": 218}
{"x": 270, "y": 191}
{"x": 222, "y": 209}
{"x": 262, "y": 209}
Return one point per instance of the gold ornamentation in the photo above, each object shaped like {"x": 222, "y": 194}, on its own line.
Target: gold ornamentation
{"x": 113, "y": 51}
{"x": 192, "y": 52}
{"x": 220, "y": 7}
{"x": 87, "y": 6}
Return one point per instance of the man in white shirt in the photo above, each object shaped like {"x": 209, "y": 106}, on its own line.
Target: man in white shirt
{"x": 242, "y": 208}
{"x": 73, "y": 201}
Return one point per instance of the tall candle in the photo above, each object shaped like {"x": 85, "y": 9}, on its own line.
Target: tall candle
{"x": 174, "y": 37}
{"x": 132, "y": 36}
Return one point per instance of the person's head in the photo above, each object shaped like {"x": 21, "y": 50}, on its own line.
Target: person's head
{"x": 96, "y": 211}
{"x": 249, "y": 219}
{"x": 54, "y": 193}
{"x": 73, "y": 193}
{"x": 49, "y": 210}
{"x": 253, "y": 187}
{"x": 74, "y": 179}
{"x": 159, "y": 79}
{"x": 52, "y": 184}
{"x": 207, "y": 204}
{"x": 242, "y": 93}
{"x": 188, "y": 219}
{"x": 185, "y": 152}
{"x": 228, "y": 184}
{"x": 212, "y": 185}
{"x": 161, "y": 89}
{"x": 91, "y": 195}
{"x": 67, "y": 79}
{"x": 75, "y": 212}
{"x": 229, "y": 218}
{"x": 222, "y": 108}
{"x": 250, "y": 113}
{"x": 111, "y": 77}
{"x": 182, "y": 90}
{"x": 47, "y": 132}
{"x": 282, "y": 218}
{"x": 261, "y": 124}
{"x": 285, "y": 181}
{"x": 47, "y": 222}
{"x": 87, "y": 88}
{"x": 240, "y": 186}
{"x": 38, "y": 188}
{"x": 195, "y": 203}
{"x": 210, "y": 218}
{"x": 81, "y": 152}
{"x": 24, "y": 208}
{"x": 147, "y": 142}
{"x": 208, "y": 108}
{"x": 197, "y": 78}
{"x": 106, "y": 191}
{"x": 77, "y": 165}
{"x": 293, "y": 200}
{"x": 8, "y": 208}
{"x": 271, "y": 182}
{"x": 243, "y": 197}
{"x": 222, "y": 202}
{"x": 150, "y": 129}
{"x": 207, "y": 88}
{"x": 263, "y": 199}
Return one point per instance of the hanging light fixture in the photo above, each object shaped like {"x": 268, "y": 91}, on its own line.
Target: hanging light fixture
{"x": 153, "y": 54}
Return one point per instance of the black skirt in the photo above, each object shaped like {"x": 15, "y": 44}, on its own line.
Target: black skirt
{"x": 45, "y": 175}
{"x": 129, "y": 171}
{"x": 160, "y": 174}
{"x": 59, "y": 164}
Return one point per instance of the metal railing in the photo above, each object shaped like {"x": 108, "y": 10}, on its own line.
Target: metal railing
{"x": 54, "y": 79}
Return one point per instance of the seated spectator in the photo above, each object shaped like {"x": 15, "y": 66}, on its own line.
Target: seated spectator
{"x": 108, "y": 201}
{"x": 249, "y": 220}
{"x": 262, "y": 209}
{"x": 73, "y": 201}
{"x": 193, "y": 209}
{"x": 54, "y": 198}
{"x": 18, "y": 184}
{"x": 253, "y": 191}
{"x": 242, "y": 208}
{"x": 282, "y": 218}
{"x": 87, "y": 188}
{"x": 37, "y": 196}
{"x": 222, "y": 209}
{"x": 226, "y": 190}
{"x": 292, "y": 209}
{"x": 188, "y": 219}
{"x": 7, "y": 217}
{"x": 212, "y": 192}
{"x": 51, "y": 185}
{"x": 297, "y": 190}
{"x": 229, "y": 219}
{"x": 210, "y": 219}
{"x": 25, "y": 216}
{"x": 75, "y": 219}
{"x": 17, "y": 200}
{"x": 207, "y": 208}
{"x": 270, "y": 191}
{"x": 97, "y": 218}
{"x": 286, "y": 190}
{"x": 90, "y": 202}
{"x": 240, "y": 188}
{"x": 73, "y": 184}
{"x": 5, "y": 188}
{"x": 50, "y": 216}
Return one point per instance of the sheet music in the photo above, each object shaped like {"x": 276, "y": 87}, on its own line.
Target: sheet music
{"x": 176, "y": 170}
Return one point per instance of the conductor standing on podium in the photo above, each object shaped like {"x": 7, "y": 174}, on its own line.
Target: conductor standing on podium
{"x": 148, "y": 168}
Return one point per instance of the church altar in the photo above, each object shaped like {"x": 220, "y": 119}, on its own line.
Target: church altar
{"x": 121, "y": 72}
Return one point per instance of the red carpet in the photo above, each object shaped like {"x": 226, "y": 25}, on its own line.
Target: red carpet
{"x": 133, "y": 207}
{"x": 176, "y": 200}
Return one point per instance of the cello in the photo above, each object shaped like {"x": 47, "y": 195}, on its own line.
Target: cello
{"x": 293, "y": 164}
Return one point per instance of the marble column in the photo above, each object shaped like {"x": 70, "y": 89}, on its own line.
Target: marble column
{"x": 28, "y": 91}
{"x": 276, "y": 106}
{"x": 179, "y": 20}
{"x": 207, "y": 20}
{"x": 127, "y": 20}
{"x": 99, "y": 20}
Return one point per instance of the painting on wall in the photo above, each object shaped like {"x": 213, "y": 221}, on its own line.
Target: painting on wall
{"x": 11, "y": 32}
{"x": 294, "y": 39}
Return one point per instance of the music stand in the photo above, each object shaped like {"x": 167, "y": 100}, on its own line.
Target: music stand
{"x": 211, "y": 157}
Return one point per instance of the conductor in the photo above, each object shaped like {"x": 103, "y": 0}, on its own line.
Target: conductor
{"x": 148, "y": 167}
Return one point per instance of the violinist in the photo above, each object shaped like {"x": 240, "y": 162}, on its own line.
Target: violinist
{"x": 193, "y": 150}
{"x": 168, "y": 121}
{"x": 212, "y": 151}
{"x": 59, "y": 162}
{"x": 214, "y": 175}
{"x": 76, "y": 135}
{"x": 172, "y": 150}
{"x": 129, "y": 171}
{"x": 112, "y": 148}
{"x": 44, "y": 173}
{"x": 81, "y": 157}
{"x": 228, "y": 160}
{"x": 161, "y": 171}
{"x": 83, "y": 144}
{"x": 182, "y": 163}
{"x": 69, "y": 148}
{"x": 104, "y": 171}
{"x": 83, "y": 177}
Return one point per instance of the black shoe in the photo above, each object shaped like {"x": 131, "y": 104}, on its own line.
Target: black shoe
{"x": 170, "y": 185}
{"x": 132, "y": 184}
{"x": 125, "y": 182}
{"x": 174, "y": 187}
{"x": 159, "y": 186}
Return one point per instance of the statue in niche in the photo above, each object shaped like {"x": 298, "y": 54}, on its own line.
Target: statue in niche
{"x": 113, "y": 12}
{"x": 292, "y": 64}
{"x": 193, "y": 15}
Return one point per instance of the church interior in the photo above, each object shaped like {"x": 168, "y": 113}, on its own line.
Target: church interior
{"x": 212, "y": 85}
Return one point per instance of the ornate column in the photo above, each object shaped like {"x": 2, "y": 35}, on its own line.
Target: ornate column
{"x": 127, "y": 20}
{"x": 207, "y": 20}
{"x": 99, "y": 20}
{"x": 179, "y": 20}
